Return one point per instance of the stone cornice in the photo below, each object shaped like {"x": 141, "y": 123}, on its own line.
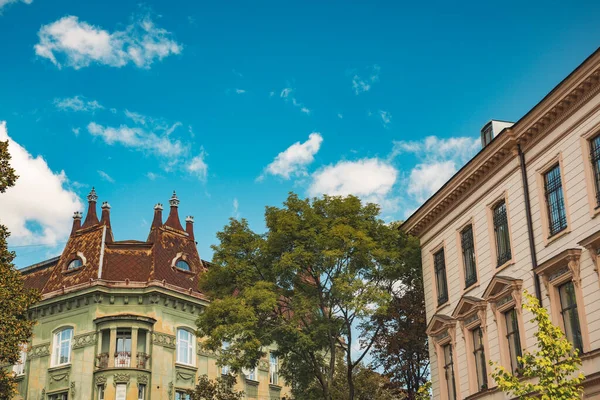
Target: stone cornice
{"x": 567, "y": 97}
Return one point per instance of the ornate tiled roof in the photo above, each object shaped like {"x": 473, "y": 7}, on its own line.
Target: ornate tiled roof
{"x": 104, "y": 260}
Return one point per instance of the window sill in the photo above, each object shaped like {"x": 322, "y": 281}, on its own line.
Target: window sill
{"x": 183, "y": 271}
{"x": 251, "y": 382}
{"x": 471, "y": 287}
{"x": 274, "y": 386}
{"x": 186, "y": 366}
{"x": 73, "y": 271}
{"x": 505, "y": 265}
{"x": 59, "y": 367}
{"x": 19, "y": 377}
{"x": 556, "y": 236}
{"x": 442, "y": 306}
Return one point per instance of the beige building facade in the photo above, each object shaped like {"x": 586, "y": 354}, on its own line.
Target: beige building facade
{"x": 523, "y": 214}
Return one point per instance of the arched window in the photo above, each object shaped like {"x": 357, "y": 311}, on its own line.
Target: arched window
{"x": 74, "y": 264}
{"x": 61, "y": 351}
{"x": 183, "y": 265}
{"x": 185, "y": 346}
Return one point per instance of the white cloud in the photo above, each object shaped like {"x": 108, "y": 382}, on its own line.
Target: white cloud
{"x": 69, "y": 42}
{"x": 340, "y": 116}
{"x": 77, "y": 103}
{"x": 106, "y": 176}
{"x": 4, "y": 3}
{"x": 386, "y": 117}
{"x": 361, "y": 85}
{"x": 38, "y": 209}
{"x": 198, "y": 167}
{"x": 139, "y": 139}
{"x": 285, "y": 93}
{"x": 305, "y": 110}
{"x": 136, "y": 117}
{"x": 294, "y": 159}
{"x": 439, "y": 159}
{"x": 152, "y": 176}
{"x": 240, "y": 91}
{"x": 75, "y": 131}
{"x": 236, "y": 206}
{"x": 371, "y": 179}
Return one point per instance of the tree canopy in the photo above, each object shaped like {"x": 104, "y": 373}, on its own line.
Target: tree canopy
{"x": 312, "y": 284}
{"x": 15, "y": 327}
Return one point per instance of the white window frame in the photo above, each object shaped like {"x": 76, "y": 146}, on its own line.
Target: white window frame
{"x": 142, "y": 389}
{"x": 188, "y": 343}
{"x": 19, "y": 367}
{"x": 253, "y": 375}
{"x": 120, "y": 385}
{"x": 58, "y": 345}
{"x": 225, "y": 370}
{"x": 273, "y": 369}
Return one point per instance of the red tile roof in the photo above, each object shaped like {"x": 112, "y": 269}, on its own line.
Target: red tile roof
{"x": 123, "y": 261}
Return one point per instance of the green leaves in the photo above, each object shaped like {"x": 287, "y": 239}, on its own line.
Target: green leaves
{"x": 553, "y": 367}
{"x": 324, "y": 266}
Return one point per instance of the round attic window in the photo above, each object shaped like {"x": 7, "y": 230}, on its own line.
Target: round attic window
{"x": 182, "y": 265}
{"x": 76, "y": 263}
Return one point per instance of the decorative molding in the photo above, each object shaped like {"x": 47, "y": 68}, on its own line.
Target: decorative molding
{"x": 164, "y": 340}
{"x": 72, "y": 389}
{"x": 84, "y": 340}
{"x": 43, "y": 394}
{"x": 263, "y": 365}
{"x": 101, "y": 380}
{"x": 142, "y": 379}
{"x": 60, "y": 377}
{"x": 40, "y": 350}
{"x": 185, "y": 376}
{"x": 201, "y": 351}
{"x": 170, "y": 391}
{"x": 121, "y": 378}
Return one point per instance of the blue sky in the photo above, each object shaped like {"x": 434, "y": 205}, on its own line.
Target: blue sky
{"x": 234, "y": 104}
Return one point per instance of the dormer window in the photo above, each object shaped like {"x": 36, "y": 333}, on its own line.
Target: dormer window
{"x": 74, "y": 264}
{"x": 183, "y": 265}
{"x": 487, "y": 134}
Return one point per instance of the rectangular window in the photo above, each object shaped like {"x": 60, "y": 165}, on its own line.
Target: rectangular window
{"x": 123, "y": 351}
{"x": 19, "y": 367}
{"x": 181, "y": 395}
{"x": 595, "y": 159}
{"x": 468, "y": 254}
{"x": 568, "y": 310}
{"x": 185, "y": 347}
{"x": 479, "y": 354}
{"x": 273, "y": 369}
{"x": 62, "y": 347}
{"x": 449, "y": 372}
{"x": 439, "y": 266}
{"x": 252, "y": 375}
{"x": 59, "y": 396}
{"x": 513, "y": 338}
{"x": 121, "y": 392}
{"x": 141, "y": 392}
{"x": 555, "y": 201}
{"x": 100, "y": 392}
{"x": 503, "y": 253}
{"x": 225, "y": 370}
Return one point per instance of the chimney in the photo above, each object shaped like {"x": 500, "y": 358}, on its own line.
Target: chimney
{"x": 76, "y": 222}
{"x": 173, "y": 219}
{"x": 493, "y": 129}
{"x": 105, "y": 220}
{"x": 91, "y": 218}
{"x": 189, "y": 226}
{"x": 157, "y": 221}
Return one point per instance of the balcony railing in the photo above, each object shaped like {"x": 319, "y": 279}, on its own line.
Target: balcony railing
{"x": 122, "y": 359}
{"x": 143, "y": 361}
{"x": 102, "y": 359}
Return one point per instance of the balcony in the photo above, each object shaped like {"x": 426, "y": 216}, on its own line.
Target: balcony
{"x": 123, "y": 359}
{"x": 143, "y": 361}
{"x": 123, "y": 348}
{"x": 102, "y": 360}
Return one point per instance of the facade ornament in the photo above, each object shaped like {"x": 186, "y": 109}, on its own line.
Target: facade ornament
{"x": 121, "y": 378}
{"x": 92, "y": 197}
{"x": 77, "y": 215}
{"x": 101, "y": 380}
{"x": 174, "y": 201}
{"x": 142, "y": 379}
{"x": 573, "y": 264}
{"x": 105, "y": 205}
{"x": 170, "y": 391}
{"x": 43, "y": 394}
{"x": 189, "y": 219}
{"x": 72, "y": 389}
{"x": 158, "y": 206}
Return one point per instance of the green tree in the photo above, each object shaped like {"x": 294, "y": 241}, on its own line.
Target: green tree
{"x": 401, "y": 347}
{"x": 551, "y": 372}
{"x": 424, "y": 392}
{"x": 311, "y": 284}
{"x": 15, "y": 327}
{"x": 219, "y": 389}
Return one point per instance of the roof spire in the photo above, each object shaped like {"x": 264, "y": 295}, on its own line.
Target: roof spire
{"x": 173, "y": 219}
{"x": 76, "y": 222}
{"x": 189, "y": 226}
{"x": 91, "y": 217}
{"x": 105, "y": 219}
{"x": 157, "y": 221}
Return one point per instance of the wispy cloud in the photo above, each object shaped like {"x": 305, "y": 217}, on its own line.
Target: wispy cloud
{"x": 240, "y": 91}
{"x": 106, "y": 176}
{"x": 152, "y": 176}
{"x": 386, "y": 117}
{"x": 77, "y": 103}
{"x": 340, "y": 116}
{"x": 198, "y": 167}
{"x": 77, "y": 44}
{"x": 75, "y": 131}
{"x": 4, "y": 3}
{"x": 236, "y": 206}
{"x": 287, "y": 94}
{"x": 361, "y": 85}
{"x": 294, "y": 160}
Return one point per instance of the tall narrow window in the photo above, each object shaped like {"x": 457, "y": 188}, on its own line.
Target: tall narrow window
{"x": 273, "y": 369}
{"x": 121, "y": 391}
{"x": 568, "y": 310}
{"x": 225, "y": 370}
{"x": 185, "y": 346}
{"x": 62, "y": 347}
{"x": 555, "y": 201}
{"x": 100, "y": 392}
{"x": 503, "y": 253}
{"x": 181, "y": 395}
{"x": 479, "y": 354}
{"x": 141, "y": 392}
{"x": 513, "y": 338}
{"x": 439, "y": 266}
{"x": 59, "y": 396}
{"x": 449, "y": 372}
{"x": 468, "y": 254}
{"x": 252, "y": 374}
{"x": 123, "y": 350}
{"x": 19, "y": 367}
{"x": 595, "y": 159}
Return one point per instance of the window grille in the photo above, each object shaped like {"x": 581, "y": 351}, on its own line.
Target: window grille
{"x": 440, "y": 276}
{"x": 468, "y": 252}
{"x": 595, "y": 159}
{"x": 503, "y": 252}
{"x": 557, "y": 216}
